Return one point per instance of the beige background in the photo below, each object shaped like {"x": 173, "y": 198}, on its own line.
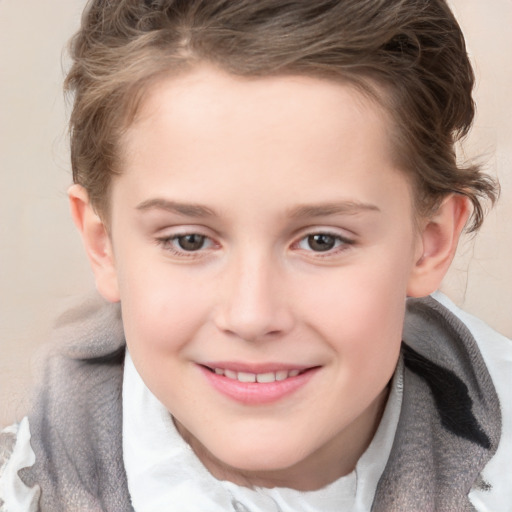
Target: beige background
{"x": 42, "y": 266}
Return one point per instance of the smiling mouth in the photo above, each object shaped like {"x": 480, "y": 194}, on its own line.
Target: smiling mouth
{"x": 257, "y": 384}
{"x": 263, "y": 378}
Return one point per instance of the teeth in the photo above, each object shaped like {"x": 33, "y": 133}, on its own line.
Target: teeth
{"x": 257, "y": 377}
{"x": 246, "y": 377}
{"x": 230, "y": 374}
{"x": 281, "y": 375}
{"x": 266, "y": 377}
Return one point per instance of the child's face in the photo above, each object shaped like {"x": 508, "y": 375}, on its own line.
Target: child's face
{"x": 260, "y": 227}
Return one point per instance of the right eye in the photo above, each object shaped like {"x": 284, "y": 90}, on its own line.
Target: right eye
{"x": 191, "y": 242}
{"x": 186, "y": 244}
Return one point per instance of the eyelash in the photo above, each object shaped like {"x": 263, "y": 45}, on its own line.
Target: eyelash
{"x": 167, "y": 243}
{"x": 341, "y": 244}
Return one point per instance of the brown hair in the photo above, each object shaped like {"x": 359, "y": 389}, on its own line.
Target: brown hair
{"x": 409, "y": 54}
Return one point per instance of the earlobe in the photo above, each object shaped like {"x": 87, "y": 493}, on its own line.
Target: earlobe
{"x": 437, "y": 245}
{"x": 96, "y": 241}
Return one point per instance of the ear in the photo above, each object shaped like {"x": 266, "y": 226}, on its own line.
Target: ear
{"x": 97, "y": 243}
{"x": 437, "y": 244}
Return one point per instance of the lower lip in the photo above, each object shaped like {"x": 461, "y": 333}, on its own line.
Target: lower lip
{"x": 257, "y": 393}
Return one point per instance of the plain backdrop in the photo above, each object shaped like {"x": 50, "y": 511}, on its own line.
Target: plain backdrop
{"x": 42, "y": 265}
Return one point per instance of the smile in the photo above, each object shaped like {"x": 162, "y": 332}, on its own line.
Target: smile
{"x": 257, "y": 377}
{"x": 257, "y": 387}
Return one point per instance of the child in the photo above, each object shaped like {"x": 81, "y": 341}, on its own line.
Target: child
{"x": 259, "y": 186}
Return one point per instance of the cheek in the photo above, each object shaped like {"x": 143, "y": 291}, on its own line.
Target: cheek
{"x": 162, "y": 315}
{"x": 368, "y": 332}
{"x": 360, "y": 311}
{"x": 162, "y": 307}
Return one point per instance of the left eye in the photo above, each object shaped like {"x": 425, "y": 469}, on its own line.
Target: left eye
{"x": 321, "y": 242}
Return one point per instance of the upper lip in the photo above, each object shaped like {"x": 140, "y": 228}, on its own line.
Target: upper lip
{"x": 255, "y": 367}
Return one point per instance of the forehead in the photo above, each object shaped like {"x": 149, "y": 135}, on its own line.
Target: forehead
{"x": 224, "y": 132}
{"x": 207, "y": 101}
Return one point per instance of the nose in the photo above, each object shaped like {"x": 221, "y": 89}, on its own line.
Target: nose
{"x": 253, "y": 302}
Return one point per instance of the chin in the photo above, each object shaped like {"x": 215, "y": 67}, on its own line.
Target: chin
{"x": 241, "y": 456}
{"x": 260, "y": 457}
{"x": 262, "y": 460}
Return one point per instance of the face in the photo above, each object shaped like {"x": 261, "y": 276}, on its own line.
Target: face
{"x": 263, "y": 244}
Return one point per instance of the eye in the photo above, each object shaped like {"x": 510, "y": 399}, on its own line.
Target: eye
{"x": 323, "y": 242}
{"x": 320, "y": 242}
{"x": 186, "y": 244}
{"x": 191, "y": 242}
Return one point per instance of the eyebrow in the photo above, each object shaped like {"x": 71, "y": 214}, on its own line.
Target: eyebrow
{"x": 187, "y": 209}
{"x": 300, "y": 211}
{"x": 335, "y": 208}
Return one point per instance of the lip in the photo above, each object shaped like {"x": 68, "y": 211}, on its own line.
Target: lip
{"x": 254, "y": 367}
{"x": 256, "y": 393}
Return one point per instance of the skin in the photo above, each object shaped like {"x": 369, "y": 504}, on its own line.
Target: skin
{"x": 256, "y": 167}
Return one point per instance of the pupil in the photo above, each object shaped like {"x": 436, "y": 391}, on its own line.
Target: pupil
{"x": 321, "y": 242}
{"x": 191, "y": 242}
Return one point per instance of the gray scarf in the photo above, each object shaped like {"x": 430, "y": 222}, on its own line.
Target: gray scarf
{"x": 449, "y": 425}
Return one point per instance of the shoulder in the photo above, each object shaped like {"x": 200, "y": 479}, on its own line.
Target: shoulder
{"x": 496, "y": 352}
{"x": 16, "y": 453}
{"x": 8, "y": 438}
{"x": 495, "y": 348}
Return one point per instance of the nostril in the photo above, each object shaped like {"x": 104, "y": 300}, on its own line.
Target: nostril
{"x": 253, "y": 320}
